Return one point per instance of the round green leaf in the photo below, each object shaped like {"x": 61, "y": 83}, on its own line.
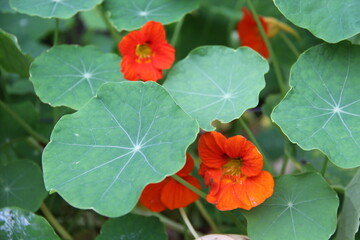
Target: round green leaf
{"x": 332, "y": 21}
{"x": 217, "y": 83}
{"x": 11, "y": 57}
{"x": 18, "y": 224}
{"x": 322, "y": 109}
{"x": 5, "y": 7}
{"x": 21, "y": 185}
{"x": 69, "y": 75}
{"x": 302, "y": 207}
{"x": 131, "y": 134}
{"x": 131, "y": 15}
{"x": 53, "y": 8}
{"x": 124, "y": 228}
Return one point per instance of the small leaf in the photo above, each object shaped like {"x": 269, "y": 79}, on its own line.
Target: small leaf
{"x": 131, "y": 15}
{"x": 53, "y": 8}
{"x": 69, "y": 75}
{"x": 217, "y": 83}
{"x": 11, "y": 57}
{"x": 348, "y": 223}
{"x": 131, "y": 134}
{"x": 322, "y": 109}
{"x": 18, "y": 224}
{"x": 21, "y": 185}
{"x": 302, "y": 207}
{"x": 124, "y": 228}
{"x": 332, "y": 21}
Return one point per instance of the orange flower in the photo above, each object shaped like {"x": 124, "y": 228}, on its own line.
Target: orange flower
{"x": 170, "y": 194}
{"x": 249, "y": 33}
{"x": 145, "y": 53}
{"x": 233, "y": 169}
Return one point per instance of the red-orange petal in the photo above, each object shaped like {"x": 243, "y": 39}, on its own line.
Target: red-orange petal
{"x": 175, "y": 195}
{"x": 164, "y": 55}
{"x": 154, "y": 32}
{"x": 211, "y": 149}
{"x": 212, "y": 177}
{"x": 252, "y": 160}
{"x": 128, "y": 43}
{"x": 249, "y": 33}
{"x": 147, "y": 72}
{"x": 188, "y": 167}
{"x": 150, "y": 196}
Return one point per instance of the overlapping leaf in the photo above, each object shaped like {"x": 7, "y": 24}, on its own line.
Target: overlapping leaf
{"x": 70, "y": 75}
{"x": 131, "y": 15}
{"x": 53, "y": 8}
{"x": 11, "y": 57}
{"x": 124, "y": 228}
{"x": 322, "y": 110}
{"x": 102, "y": 156}
{"x": 17, "y": 224}
{"x": 332, "y": 21}
{"x": 302, "y": 207}
{"x": 21, "y": 185}
{"x": 217, "y": 83}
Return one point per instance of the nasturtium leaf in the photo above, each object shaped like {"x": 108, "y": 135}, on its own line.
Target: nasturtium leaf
{"x": 322, "y": 109}
{"x": 132, "y": 226}
{"x": 69, "y": 75}
{"x": 53, "y": 8}
{"x": 5, "y": 6}
{"x": 348, "y": 223}
{"x": 217, "y": 83}
{"x": 21, "y": 185}
{"x": 332, "y": 21}
{"x": 131, "y": 134}
{"x": 302, "y": 207}
{"x": 11, "y": 57}
{"x": 18, "y": 224}
{"x": 131, "y": 15}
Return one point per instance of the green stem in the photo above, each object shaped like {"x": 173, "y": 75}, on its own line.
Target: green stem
{"x": 22, "y": 123}
{"x": 290, "y": 44}
{"x": 108, "y": 24}
{"x": 168, "y": 222}
{"x": 35, "y": 144}
{"x": 283, "y": 167}
{"x": 188, "y": 223}
{"x": 324, "y": 166}
{"x": 206, "y": 216}
{"x": 189, "y": 186}
{"x": 56, "y": 225}
{"x": 176, "y": 34}
{"x": 253, "y": 139}
{"x": 56, "y": 34}
{"x": 279, "y": 76}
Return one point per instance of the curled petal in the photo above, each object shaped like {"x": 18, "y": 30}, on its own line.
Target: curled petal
{"x": 211, "y": 149}
{"x": 150, "y": 197}
{"x": 188, "y": 167}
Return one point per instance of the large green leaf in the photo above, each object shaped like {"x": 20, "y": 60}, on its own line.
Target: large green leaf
{"x": 322, "y": 109}
{"x": 11, "y": 57}
{"x": 130, "y": 135}
{"x": 348, "y": 223}
{"x": 18, "y": 224}
{"x": 124, "y": 228}
{"x": 5, "y": 6}
{"x": 53, "y": 8}
{"x": 131, "y": 15}
{"x": 21, "y": 185}
{"x": 303, "y": 207}
{"x": 332, "y": 21}
{"x": 217, "y": 83}
{"x": 69, "y": 75}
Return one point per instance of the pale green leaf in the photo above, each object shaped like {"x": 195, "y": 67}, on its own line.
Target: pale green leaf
{"x": 322, "y": 109}
{"x": 303, "y": 207}
{"x": 69, "y": 75}
{"x": 217, "y": 83}
{"x": 131, "y": 134}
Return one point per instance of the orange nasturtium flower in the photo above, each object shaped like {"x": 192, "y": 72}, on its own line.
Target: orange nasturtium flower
{"x": 233, "y": 169}
{"x": 146, "y": 53}
{"x": 249, "y": 33}
{"x": 170, "y": 194}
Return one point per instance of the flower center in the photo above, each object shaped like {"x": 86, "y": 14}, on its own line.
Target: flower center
{"x": 143, "y": 51}
{"x": 233, "y": 167}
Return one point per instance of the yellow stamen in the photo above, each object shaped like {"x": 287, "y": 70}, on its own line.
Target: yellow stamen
{"x": 233, "y": 167}
{"x": 143, "y": 52}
